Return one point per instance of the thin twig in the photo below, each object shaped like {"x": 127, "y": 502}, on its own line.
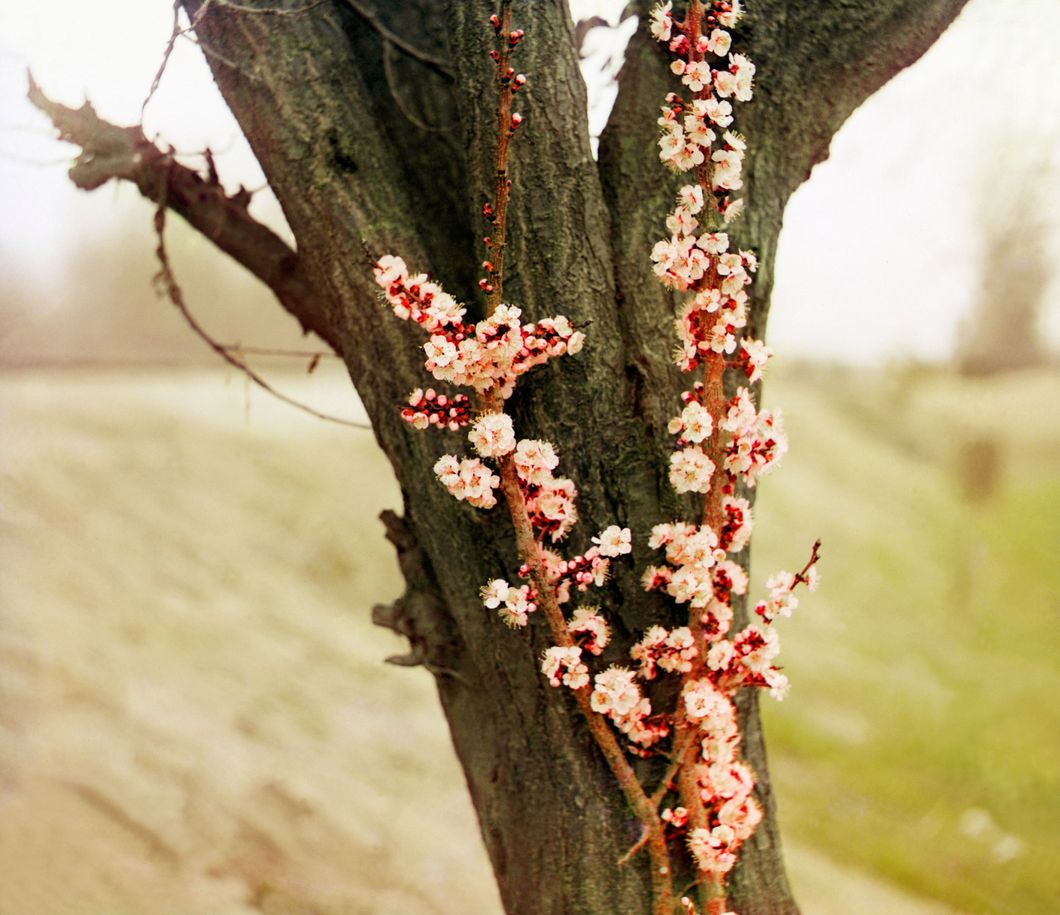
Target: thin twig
{"x": 395, "y": 94}
{"x": 269, "y": 351}
{"x": 645, "y": 838}
{"x": 170, "y": 44}
{"x": 815, "y": 555}
{"x": 526, "y": 543}
{"x": 683, "y": 741}
{"x": 428, "y": 60}
{"x": 169, "y": 282}
{"x": 269, "y": 10}
{"x": 29, "y": 160}
{"x": 211, "y": 51}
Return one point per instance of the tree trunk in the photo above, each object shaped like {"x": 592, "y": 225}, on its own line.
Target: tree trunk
{"x": 374, "y": 123}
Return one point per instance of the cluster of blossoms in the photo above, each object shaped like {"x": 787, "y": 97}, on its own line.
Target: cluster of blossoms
{"x": 723, "y": 782}
{"x": 549, "y": 499}
{"x": 468, "y": 479}
{"x": 488, "y": 356}
{"x": 513, "y": 605}
{"x": 660, "y": 649}
{"x": 713, "y": 76}
{"x": 429, "y": 408}
{"x": 617, "y": 695}
{"x": 722, "y": 444}
{"x": 757, "y": 441}
{"x": 563, "y": 665}
{"x": 697, "y": 573}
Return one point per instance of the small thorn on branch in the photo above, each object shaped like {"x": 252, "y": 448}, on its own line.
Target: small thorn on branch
{"x": 404, "y": 660}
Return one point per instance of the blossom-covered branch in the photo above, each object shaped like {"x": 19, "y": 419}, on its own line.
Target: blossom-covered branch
{"x": 723, "y": 445}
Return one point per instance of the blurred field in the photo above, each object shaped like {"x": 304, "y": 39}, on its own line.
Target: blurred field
{"x": 195, "y": 717}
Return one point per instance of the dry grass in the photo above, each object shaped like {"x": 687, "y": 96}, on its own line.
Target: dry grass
{"x": 194, "y": 713}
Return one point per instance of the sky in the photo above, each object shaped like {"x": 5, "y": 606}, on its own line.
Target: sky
{"x": 882, "y": 250}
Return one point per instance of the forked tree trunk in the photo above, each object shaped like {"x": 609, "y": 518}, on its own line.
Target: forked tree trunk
{"x": 374, "y": 123}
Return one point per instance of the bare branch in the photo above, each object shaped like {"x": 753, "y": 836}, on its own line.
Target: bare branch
{"x": 429, "y": 60}
{"x": 395, "y": 92}
{"x": 168, "y": 282}
{"x": 268, "y": 10}
{"x": 273, "y": 351}
{"x": 109, "y": 151}
{"x": 171, "y": 42}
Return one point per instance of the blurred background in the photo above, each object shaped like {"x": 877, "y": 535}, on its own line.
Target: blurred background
{"x": 195, "y": 716}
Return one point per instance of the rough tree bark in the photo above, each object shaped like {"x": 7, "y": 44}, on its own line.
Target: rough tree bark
{"x": 374, "y": 124}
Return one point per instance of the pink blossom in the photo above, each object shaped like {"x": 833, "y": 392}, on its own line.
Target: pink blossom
{"x": 551, "y": 507}
{"x": 718, "y": 112}
{"x": 712, "y": 850}
{"x": 733, "y": 209}
{"x": 729, "y": 18}
{"x": 691, "y": 470}
{"x": 709, "y": 708}
{"x": 589, "y": 628}
{"x": 492, "y": 435}
{"x": 724, "y": 83}
{"x": 745, "y": 72}
{"x": 714, "y": 242}
{"x": 719, "y": 42}
{"x": 736, "y": 531}
{"x": 757, "y": 355}
{"x": 720, "y": 655}
{"x": 535, "y": 460}
{"x": 468, "y": 480}
{"x": 615, "y": 692}
{"x": 690, "y": 197}
{"x": 662, "y": 21}
{"x": 693, "y": 425}
{"x": 697, "y": 75}
{"x": 564, "y": 665}
{"x": 495, "y": 592}
{"x": 726, "y": 173}
{"x": 517, "y": 606}
{"x": 614, "y": 541}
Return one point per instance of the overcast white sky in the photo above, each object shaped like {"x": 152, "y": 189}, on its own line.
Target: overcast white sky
{"x": 881, "y": 248}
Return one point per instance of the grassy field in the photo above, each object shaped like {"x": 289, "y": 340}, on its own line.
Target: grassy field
{"x": 195, "y": 717}
{"x": 923, "y": 734}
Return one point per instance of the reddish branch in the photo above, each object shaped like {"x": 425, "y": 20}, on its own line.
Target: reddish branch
{"x": 109, "y": 151}
{"x": 681, "y": 775}
{"x": 503, "y": 184}
{"x": 529, "y": 549}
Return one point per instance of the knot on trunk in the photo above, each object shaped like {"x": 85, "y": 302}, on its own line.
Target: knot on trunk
{"x": 420, "y": 614}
